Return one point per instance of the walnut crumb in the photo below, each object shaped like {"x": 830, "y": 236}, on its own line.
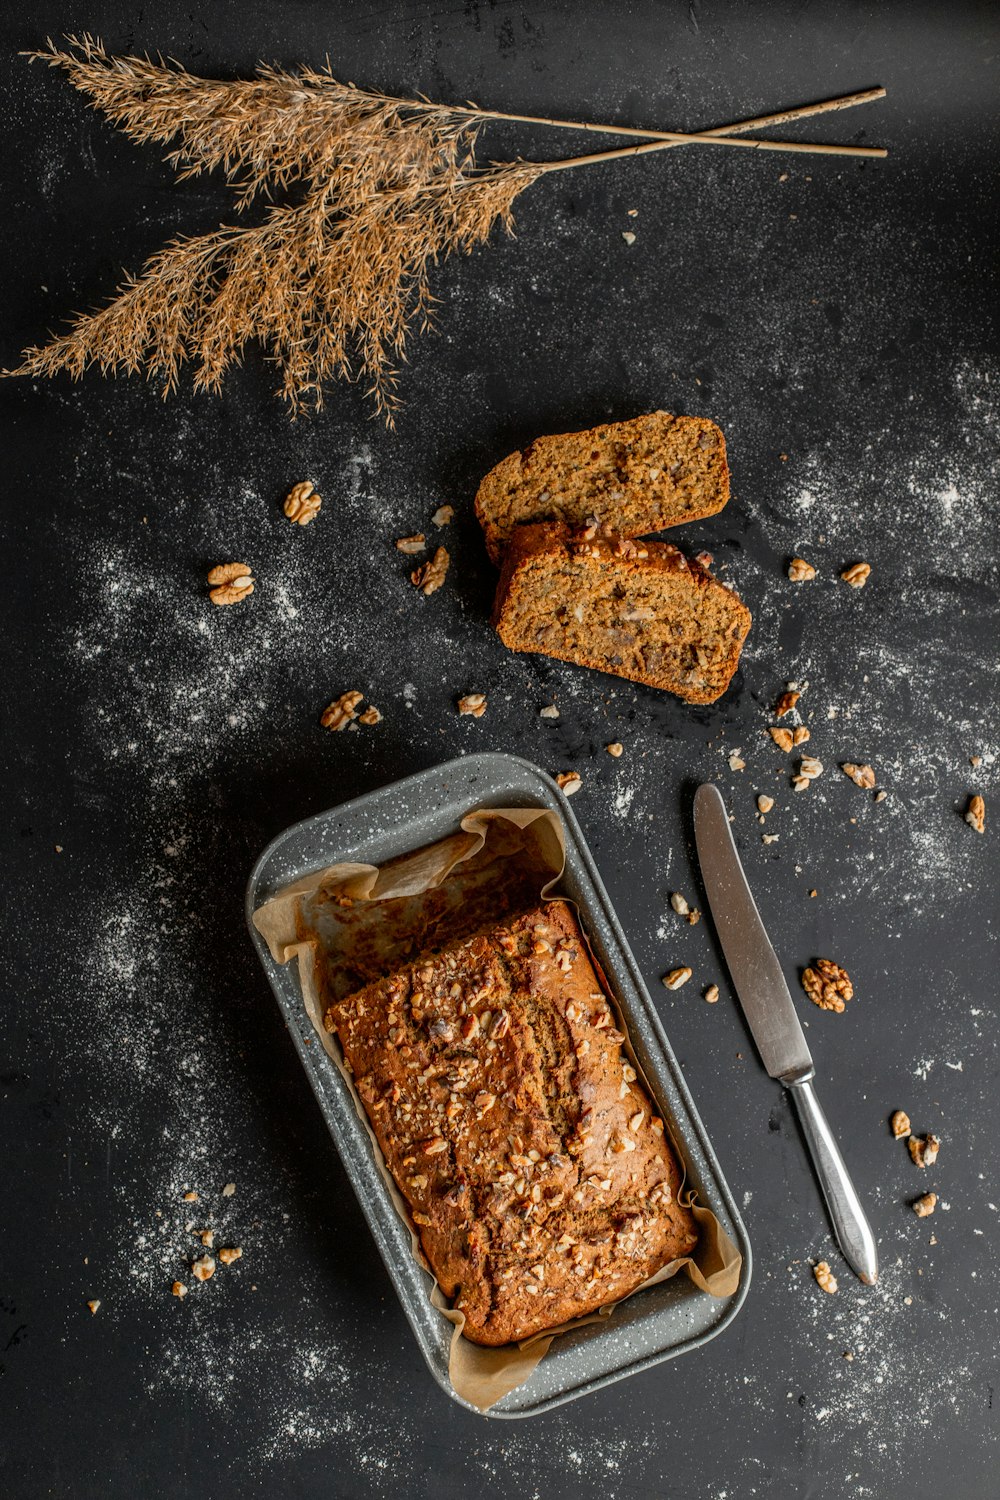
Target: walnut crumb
{"x": 229, "y": 1254}
{"x": 338, "y": 714}
{"x": 785, "y": 704}
{"x": 825, "y": 1277}
{"x": 765, "y": 803}
{"x": 862, "y": 775}
{"x": 615, "y": 748}
{"x": 712, "y": 994}
{"x": 628, "y": 236}
{"x": 443, "y": 515}
{"x": 924, "y": 1150}
{"x": 548, "y": 712}
{"x": 677, "y": 977}
{"x": 736, "y": 761}
{"x": 679, "y": 904}
{"x": 230, "y": 582}
{"x": 203, "y": 1268}
{"x": 925, "y": 1206}
{"x": 370, "y": 716}
{"x": 179, "y": 1289}
{"x": 207, "y": 1237}
{"x": 857, "y": 575}
{"x": 411, "y": 545}
{"x": 693, "y": 917}
{"x": 781, "y": 737}
{"x": 769, "y": 838}
{"x": 975, "y": 813}
{"x": 880, "y": 796}
{"x": 899, "y": 1124}
{"x": 429, "y": 577}
{"x": 229, "y": 1190}
{"x": 474, "y": 704}
{"x": 828, "y": 985}
{"x": 302, "y": 503}
{"x": 94, "y": 1305}
{"x": 570, "y": 781}
{"x": 799, "y": 571}
{"x": 190, "y": 1197}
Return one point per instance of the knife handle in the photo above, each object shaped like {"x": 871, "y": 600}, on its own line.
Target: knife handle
{"x": 850, "y": 1225}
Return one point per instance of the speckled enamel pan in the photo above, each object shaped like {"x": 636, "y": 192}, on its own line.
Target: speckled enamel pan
{"x": 658, "y": 1323}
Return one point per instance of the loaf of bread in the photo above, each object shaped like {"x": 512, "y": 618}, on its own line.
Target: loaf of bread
{"x": 532, "y": 1159}
{"x": 641, "y": 610}
{"x": 636, "y": 477}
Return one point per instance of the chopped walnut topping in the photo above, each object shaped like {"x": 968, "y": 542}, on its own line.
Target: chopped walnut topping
{"x": 924, "y": 1150}
{"x": 800, "y": 571}
{"x": 422, "y": 1220}
{"x": 679, "y": 904}
{"x": 828, "y": 985}
{"x": 765, "y": 803}
{"x": 435, "y": 1146}
{"x": 615, "y": 748}
{"x": 443, "y": 515}
{"x": 900, "y": 1123}
{"x": 810, "y": 767}
{"x": 781, "y": 737}
{"x": 203, "y": 1268}
{"x": 231, "y": 1253}
{"x": 825, "y": 1277}
{"x": 800, "y": 734}
{"x": 862, "y": 775}
{"x": 429, "y": 577}
{"x": 230, "y": 582}
{"x": 94, "y": 1305}
{"x": 338, "y": 714}
{"x": 677, "y": 977}
{"x": 370, "y": 716}
{"x": 474, "y": 704}
{"x": 179, "y": 1289}
{"x": 857, "y": 575}
{"x": 411, "y": 545}
{"x": 925, "y": 1206}
{"x": 736, "y": 761}
{"x": 785, "y": 704}
{"x": 712, "y": 994}
{"x": 975, "y": 813}
{"x": 570, "y": 781}
{"x": 302, "y": 503}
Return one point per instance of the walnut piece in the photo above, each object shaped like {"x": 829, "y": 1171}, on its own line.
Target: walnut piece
{"x": 229, "y": 1190}
{"x": 857, "y": 575}
{"x": 548, "y": 712}
{"x": 900, "y": 1123}
{"x": 825, "y": 1277}
{"x": 785, "y": 704}
{"x": 764, "y": 803}
{"x": 207, "y": 1237}
{"x": 800, "y": 734}
{"x": 712, "y": 994}
{"x": 179, "y": 1289}
{"x": 411, "y": 544}
{"x": 94, "y": 1305}
{"x": 925, "y": 1206}
{"x": 924, "y": 1150}
{"x": 302, "y": 503}
{"x": 679, "y": 904}
{"x": 615, "y": 749}
{"x": 570, "y": 781}
{"x": 230, "y": 1254}
{"x": 975, "y": 813}
{"x": 862, "y": 776}
{"x": 370, "y": 716}
{"x": 203, "y": 1268}
{"x": 677, "y": 977}
{"x": 736, "y": 761}
{"x": 800, "y": 571}
{"x": 338, "y": 714}
{"x": 781, "y": 737}
{"x": 190, "y": 1196}
{"x": 474, "y": 704}
{"x": 230, "y": 582}
{"x": 429, "y": 577}
{"x": 800, "y": 783}
{"x": 443, "y": 515}
{"x": 810, "y": 767}
{"x": 827, "y": 985}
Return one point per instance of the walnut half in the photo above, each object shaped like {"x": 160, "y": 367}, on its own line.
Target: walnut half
{"x": 827, "y": 985}
{"x": 302, "y": 503}
{"x": 862, "y": 776}
{"x": 230, "y": 582}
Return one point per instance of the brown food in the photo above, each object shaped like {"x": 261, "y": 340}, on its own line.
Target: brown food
{"x": 532, "y": 1160}
{"x": 642, "y": 611}
{"x": 828, "y": 985}
{"x": 636, "y": 477}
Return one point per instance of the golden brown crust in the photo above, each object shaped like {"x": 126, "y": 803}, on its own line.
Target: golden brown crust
{"x": 637, "y": 477}
{"x": 536, "y": 1171}
{"x": 640, "y": 610}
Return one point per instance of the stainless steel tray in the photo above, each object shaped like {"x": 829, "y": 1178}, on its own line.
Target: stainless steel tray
{"x": 655, "y": 1324}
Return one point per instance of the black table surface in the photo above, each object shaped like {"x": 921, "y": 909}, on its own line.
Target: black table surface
{"x": 837, "y": 318}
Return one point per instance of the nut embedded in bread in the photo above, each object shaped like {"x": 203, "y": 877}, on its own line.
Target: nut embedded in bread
{"x": 636, "y": 477}
{"x": 640, "y": 610}
{"x": 532, "y": 1159}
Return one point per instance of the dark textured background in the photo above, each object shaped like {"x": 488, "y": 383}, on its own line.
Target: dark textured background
{"x": 845, "y": 317}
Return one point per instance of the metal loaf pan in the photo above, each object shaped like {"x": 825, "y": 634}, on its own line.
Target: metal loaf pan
{"x": 653, "y": 1325}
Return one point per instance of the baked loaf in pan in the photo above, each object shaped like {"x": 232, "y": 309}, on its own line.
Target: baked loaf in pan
{"x": 641, "y": 610}
{"x": 532, "y": 1159}
{"x": 636, "y": 477}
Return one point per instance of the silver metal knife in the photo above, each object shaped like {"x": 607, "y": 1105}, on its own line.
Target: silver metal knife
{"x": 770, "y": 1014}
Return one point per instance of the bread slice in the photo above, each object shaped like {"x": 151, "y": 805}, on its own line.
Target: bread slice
{"x": 636, "y": 477}
{"x": 641, "y": 610}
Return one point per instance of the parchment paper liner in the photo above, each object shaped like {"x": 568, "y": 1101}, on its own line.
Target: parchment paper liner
{"x": 305, "y": 921}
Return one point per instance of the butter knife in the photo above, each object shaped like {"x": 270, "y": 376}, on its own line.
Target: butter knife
{"x": 770, "y": 1014}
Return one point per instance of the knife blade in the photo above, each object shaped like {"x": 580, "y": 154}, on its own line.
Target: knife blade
{"x": 763, "y": 994}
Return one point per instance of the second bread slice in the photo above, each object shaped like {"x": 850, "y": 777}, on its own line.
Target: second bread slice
{"x": 636, "y": 477}
{"x": 641, "y": 610}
